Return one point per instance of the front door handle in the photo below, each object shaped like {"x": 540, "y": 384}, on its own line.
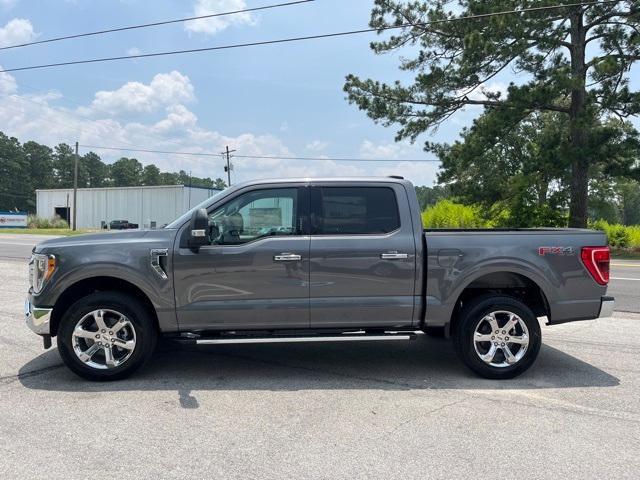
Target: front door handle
{"x": 287, "y": 257}
{"x": 394, "y": 256}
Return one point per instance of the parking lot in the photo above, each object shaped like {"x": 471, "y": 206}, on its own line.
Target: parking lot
{"x": 378, "y": 410}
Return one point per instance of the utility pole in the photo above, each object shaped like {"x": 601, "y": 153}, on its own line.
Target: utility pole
{"x": 75, "y": 188}
{"x": 227, "y": 169}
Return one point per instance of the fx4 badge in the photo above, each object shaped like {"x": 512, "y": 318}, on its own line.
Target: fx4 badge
{"x": 542, "y": 251}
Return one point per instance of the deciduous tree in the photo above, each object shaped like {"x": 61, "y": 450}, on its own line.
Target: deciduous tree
{"x": 126, "y": 172}
{"x": 15, "y": 187}
{"x": 40, "y": 158}
{"x": 151, "y": 175}
{"x": 97, "y": 170}
{"x": 64, "y": 159}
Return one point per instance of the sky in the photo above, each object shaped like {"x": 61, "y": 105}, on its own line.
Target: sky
{"x": 283, "y": 100}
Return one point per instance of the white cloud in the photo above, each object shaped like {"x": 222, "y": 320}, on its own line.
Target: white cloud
{"x": 16, "y": 31}
{"x": 7, "y": 4}
{"x": 380, "y": 151}
{"x": 36, "y": 117}
{"x": 134, "y": 51}
{"x": 40, "y": 118}
{"x": 481, "y": 92}
{"x": 7, "y": 84}
{"x": 316, "y": 146}
{"x": 165, "y": 89}
{"x": 213, "y": 25}
{"x": 420, "y": 173}
{"x": 29, "y": 119}
{"x": 178, "y": 117}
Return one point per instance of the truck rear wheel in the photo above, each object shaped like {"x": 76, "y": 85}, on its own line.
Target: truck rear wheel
{"x": 497, "y": 337}
{"x": 106, "y": 336}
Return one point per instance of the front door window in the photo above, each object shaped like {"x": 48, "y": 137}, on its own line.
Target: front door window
{"x": 253, "y": 215}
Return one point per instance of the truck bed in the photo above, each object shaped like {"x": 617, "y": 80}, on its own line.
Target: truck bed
{"x": 549, "y": 258}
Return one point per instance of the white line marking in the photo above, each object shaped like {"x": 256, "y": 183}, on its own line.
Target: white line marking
{"x": 626, "y": 278}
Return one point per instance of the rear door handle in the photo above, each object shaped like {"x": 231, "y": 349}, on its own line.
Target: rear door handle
{"x": 394, "y": 256}
{"x": 287, "y": 257}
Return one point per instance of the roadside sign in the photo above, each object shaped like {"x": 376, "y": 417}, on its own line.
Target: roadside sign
{"x": 13, "y": 219}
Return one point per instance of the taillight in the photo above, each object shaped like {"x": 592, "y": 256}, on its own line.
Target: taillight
{"x": 596, "y": 259}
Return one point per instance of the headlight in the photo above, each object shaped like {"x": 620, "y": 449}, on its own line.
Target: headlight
{"x": 41, "y": 267}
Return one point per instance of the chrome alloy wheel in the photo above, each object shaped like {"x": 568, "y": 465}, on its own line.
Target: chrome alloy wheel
{"x": 104, "y": 339}
{"x": 501, "y": 339}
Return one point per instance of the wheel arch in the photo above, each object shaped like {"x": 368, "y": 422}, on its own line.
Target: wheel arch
{"x": 505, "y": 283}
{"x": 86, "y": 286}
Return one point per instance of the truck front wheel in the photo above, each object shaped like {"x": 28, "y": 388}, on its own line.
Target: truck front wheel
{"x": 497, "y": 336}
{"x": 106, "y": 336}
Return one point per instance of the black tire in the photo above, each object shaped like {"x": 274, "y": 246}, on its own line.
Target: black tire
{"x": 471, "y": 316}
{"x": 140, "y": 319}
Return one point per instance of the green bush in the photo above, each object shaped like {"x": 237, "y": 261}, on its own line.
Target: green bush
{"x": 620, "y": 236}
{"x": 447, "y": 214}
{"x": 39, "y": 222}
{"x": 499, "y": 215}
{"x": 634, "y": 236}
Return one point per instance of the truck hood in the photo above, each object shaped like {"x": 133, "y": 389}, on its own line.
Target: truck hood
{"x": 105, "y": 238}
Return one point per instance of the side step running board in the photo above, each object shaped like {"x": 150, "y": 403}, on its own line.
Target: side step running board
{"x": 329, "y": 338}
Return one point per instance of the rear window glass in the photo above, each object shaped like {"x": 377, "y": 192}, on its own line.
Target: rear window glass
{"x": 358, "y": 211}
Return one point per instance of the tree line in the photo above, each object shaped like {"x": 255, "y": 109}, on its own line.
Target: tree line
{"x": 26, "y": 167}
{"x": 514, "y": 174}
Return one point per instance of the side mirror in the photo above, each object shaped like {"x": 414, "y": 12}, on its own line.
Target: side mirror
{"x": 198, "y": 229}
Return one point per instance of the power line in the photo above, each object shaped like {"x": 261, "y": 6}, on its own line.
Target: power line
{"x": 304, "y": 38}
{"x": 154, "y": 24}
{"x": 264, "y": 157}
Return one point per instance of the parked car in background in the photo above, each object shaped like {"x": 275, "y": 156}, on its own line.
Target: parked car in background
{"x": 122, "y": 225}
{"x": 313, "y": 260}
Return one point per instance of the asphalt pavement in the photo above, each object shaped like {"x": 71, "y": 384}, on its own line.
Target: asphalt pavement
{"x": 19, "y": 246}
{"x": 624, "y": 285}
{"x": 391, "y": 410}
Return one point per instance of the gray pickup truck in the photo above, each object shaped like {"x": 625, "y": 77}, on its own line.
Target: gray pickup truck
{"x": 312, "y": 260}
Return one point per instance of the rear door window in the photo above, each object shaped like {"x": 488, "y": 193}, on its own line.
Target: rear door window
{"x": 356, "y": 211}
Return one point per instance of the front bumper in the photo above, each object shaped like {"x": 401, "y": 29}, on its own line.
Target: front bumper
{"x": 38, "y": 319}
{"x": 606, "y": 307}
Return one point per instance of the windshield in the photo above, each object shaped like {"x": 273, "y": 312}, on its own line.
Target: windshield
{"x": 187, "y": 215}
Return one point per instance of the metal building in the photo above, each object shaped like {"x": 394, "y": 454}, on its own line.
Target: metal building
{"x": 146, "y": 206}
